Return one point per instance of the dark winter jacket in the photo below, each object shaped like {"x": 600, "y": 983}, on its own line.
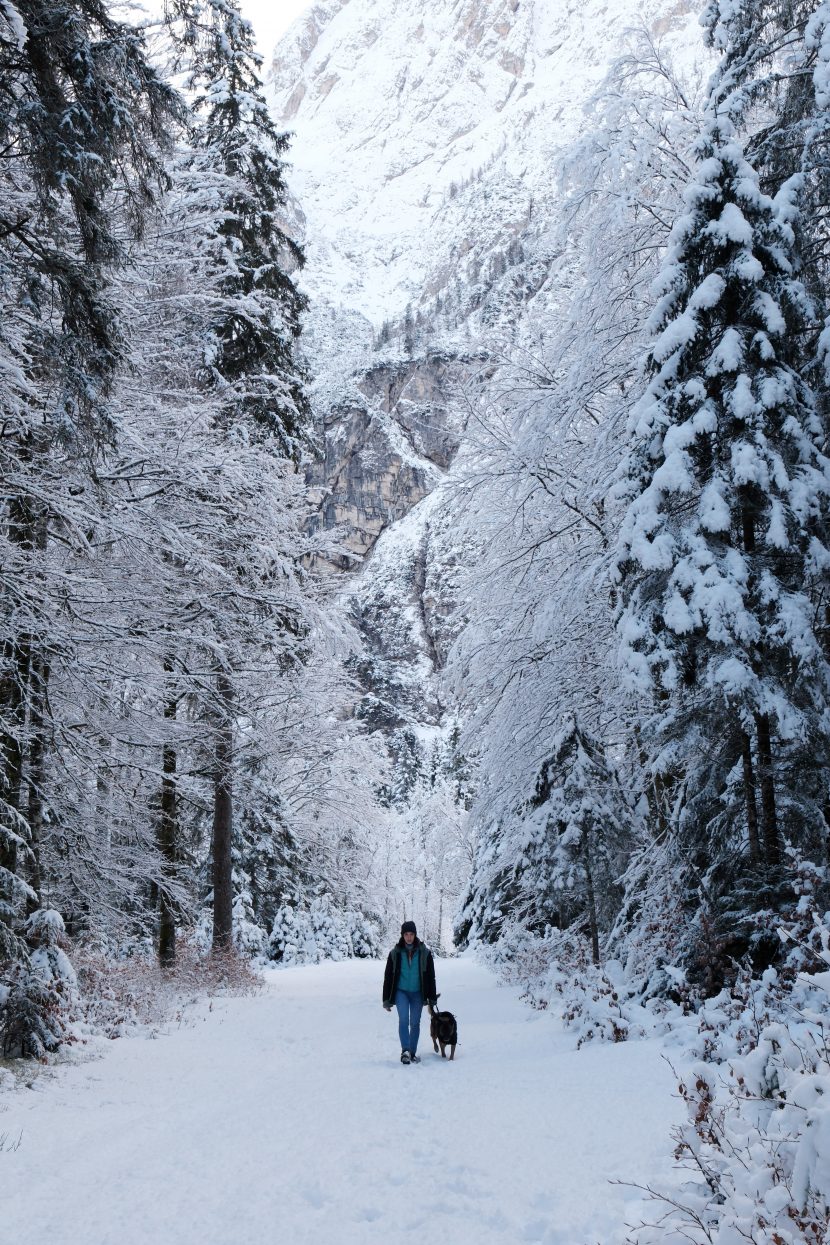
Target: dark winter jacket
{"x": 426, "y": 972}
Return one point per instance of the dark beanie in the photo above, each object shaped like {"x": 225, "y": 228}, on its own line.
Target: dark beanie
{"x": 408, "y": 927}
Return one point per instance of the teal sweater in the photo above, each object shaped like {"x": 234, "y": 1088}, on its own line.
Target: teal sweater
{"x": 410, "y": 978}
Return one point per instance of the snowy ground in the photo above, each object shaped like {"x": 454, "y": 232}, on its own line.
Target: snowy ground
{"x": 286, "y": 1117}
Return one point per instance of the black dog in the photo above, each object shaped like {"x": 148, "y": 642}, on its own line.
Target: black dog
{"x": 444, "y": 1031}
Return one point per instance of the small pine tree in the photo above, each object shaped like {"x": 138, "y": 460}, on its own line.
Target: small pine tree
{"x": 409, "y": 331}
{"x": 558, "y": 864}
{"x": 576, "y": 840}
{"x": 38, "y": 991}
{"x": 268, "y": 862}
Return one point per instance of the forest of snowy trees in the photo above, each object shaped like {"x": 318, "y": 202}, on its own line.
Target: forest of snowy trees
{"x": 645, "y": 665}
{"x": 211, "y": 753}
{"x": 647, "y": 657}
{"x": 174, "y": 732}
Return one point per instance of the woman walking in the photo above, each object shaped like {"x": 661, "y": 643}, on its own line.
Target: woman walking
{"x": 408, "y": 983}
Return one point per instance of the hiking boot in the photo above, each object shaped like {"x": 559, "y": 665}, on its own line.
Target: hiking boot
{"x": 406, "y": 1057}
{"x": 413, "y": 1058}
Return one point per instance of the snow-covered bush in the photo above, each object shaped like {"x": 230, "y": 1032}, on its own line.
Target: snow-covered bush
{"x": 307, "y": 933}
{"x": 365, "y": 935}
{"x": 555, "y": 972}
{"x": 757, "y": 1138}
{"x": 597, "y": 1005}
{"x": 249, "y": 938}
{"x": 523, "y": 959}
{"x": 38, "y": 995}
{"x": 120, "y": 994}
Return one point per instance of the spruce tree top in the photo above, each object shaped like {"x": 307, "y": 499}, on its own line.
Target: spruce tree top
{"x": 251, "y": 353}
{"x": 726, "y": 482}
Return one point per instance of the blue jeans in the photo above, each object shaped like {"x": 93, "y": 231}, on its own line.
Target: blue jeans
{"x": 409, "y": 1004}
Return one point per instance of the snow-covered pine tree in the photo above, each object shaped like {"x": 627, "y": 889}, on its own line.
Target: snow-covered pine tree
{"x": 250, "y": 352}
{"x": 250, "y": 365}
{"x": 40, "y": 993}
{"x": 580, "y": 837}
{"x": 558, "y": 862}
{"x": 772, "y": 82}
{"x": 772, "y": 79}
{"x": 721, "y": 558}
{"x": 267, "y": 856}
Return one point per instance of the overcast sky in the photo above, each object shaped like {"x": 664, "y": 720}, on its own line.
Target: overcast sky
{"x": 270, "y": 18}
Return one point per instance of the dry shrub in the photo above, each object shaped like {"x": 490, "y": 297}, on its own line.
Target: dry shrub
{"x": 216, "y": 973}
{"x": 120, "y": 994}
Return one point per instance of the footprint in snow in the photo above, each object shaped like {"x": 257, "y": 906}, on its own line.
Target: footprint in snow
{"x": 315, "y": 1197}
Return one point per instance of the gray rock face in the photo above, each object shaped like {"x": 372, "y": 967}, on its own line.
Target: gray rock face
{"x": 423, "y": 395}
{"x": 388, "y": 443}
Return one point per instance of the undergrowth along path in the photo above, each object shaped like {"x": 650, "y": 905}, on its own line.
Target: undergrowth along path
{"x": 288, "y": 1117}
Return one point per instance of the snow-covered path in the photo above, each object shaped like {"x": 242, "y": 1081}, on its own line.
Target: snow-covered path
{"x": 287, "y": 1118}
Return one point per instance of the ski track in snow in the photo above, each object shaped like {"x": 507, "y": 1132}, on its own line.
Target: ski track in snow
{"x": 287, "y": 1117}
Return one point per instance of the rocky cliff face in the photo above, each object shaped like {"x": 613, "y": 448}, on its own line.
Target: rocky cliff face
{"x": 426, "y": 144}
{"x": 394, "y": 110}
{"x": 387, "y": 442}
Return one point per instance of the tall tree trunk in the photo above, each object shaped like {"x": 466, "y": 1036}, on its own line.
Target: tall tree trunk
{"x": 168, "y": 836}
{"x": 36, "y": 777}
{"x": 591, "y": 898}
{"x": 27, "y": 529}
{"x": 13, "y": 712}
{"x": 750, "y": 799}
{"x": 766, "y": 781}
{"x": 103, "y": 796}
{"x": 223, "y": 820}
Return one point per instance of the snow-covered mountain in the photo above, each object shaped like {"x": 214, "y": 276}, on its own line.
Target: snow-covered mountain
{"x": 427, "y": 131}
